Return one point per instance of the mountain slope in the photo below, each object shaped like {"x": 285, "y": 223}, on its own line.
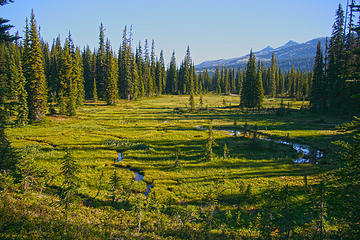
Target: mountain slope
{"x": 301, "y": 55}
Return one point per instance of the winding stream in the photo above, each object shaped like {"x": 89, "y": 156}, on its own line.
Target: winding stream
{"x": 138, "y": 177}
{"x": 309, "y": 154}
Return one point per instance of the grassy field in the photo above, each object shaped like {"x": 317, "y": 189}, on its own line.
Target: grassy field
{"x": 164, "y": 124}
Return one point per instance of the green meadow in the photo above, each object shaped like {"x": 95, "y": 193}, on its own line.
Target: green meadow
{"x": 183, "y": 191}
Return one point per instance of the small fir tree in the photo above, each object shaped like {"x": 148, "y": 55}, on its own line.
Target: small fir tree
{"x": 209, "y": 145}
{"x": 114, "y": 185}
{"x": 69, "y": 170}
{"x": 201, "y": 101}
{"x": 226, "y": 151}
{"x": 192, "y": 101}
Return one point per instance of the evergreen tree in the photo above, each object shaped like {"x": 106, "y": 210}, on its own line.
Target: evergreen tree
{"x": 292, "y": 82}
{"x": 192, "y": 94}
{"x": 335, "y": 68}
{"x": 222, "y": 79}
{"x": 69, "y": 169}
{"x": 101, "y": 64}
{"x": 226, "y": 81}
{"x": 318, "y": 210}
{"x": 148, "y": 82}
{"x": 111, "y": 76}
{"x": 8, "y": 157}
{"x": 36, "y": 82}
{"x": 7, "y": 154}
{"x": 201, "y": 102}
{"x": 126, "y": 86}
{"x": 71, "y": 99}
{"x": 26, "y": 51}
{"x": 94, "y": 90}
{"x": 233, "y": 81}
{"x": 114, "y": 186}
{"x": 188, "y": 73}
{"x": 281, "y": 82}
{"x": 78, "y": 73}
{"x": 318, "y": 93}
{"x": 171, "y": 78}
{"x": 163, "y": 72}
{"x": 23, "y": 111}
{"x": 277, "y": 81}
{"x": 217, "y": 80}
{"x": 89, "y": 73}
{"x": 272, "y": 80}
{"x": 153, "y": 69}
{"x": 252, "y": 91}
{"x": 135, "y": 79}
{"x": 140, "y": 63}
{"x": 46, "y": 58}
{"x": 95, "y": 95}
{"x": 73, "y": 81}
{"x": 55, "y": 62}
{"x": 65, "y": 77}
{"x": 158, "y": 77}
{"x": 4, "y": 28}
{"x": 12, "y": 72}
{"x": 238, "y": 81}
{"x": 185, "y": 73}
{"x": 259, "y": 91}
{"x": 209, "y": 145}
{"x": 346, "y": 200}
{"x": 195, "y": 79}
{"x": 226, "y": 151}
{"x": 160, "y": 74}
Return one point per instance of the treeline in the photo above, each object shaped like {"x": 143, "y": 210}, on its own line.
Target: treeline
{"x": 295, "y": 83}
{"x": 336, "y": 85}
{"x": 37, "y": 78}
{"x": 40, "y": 77}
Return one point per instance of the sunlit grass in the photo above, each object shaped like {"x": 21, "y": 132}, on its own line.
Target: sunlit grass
{"x": 154, "y": 123}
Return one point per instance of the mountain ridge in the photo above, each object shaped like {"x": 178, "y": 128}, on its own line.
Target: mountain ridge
{"x": 299, "y": 55}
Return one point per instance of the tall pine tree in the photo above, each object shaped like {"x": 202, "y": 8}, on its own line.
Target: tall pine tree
{"x": 171, "y": 78}
{"x": 111, "y": 76}
{"x": 318, "y": 93}
{"x": 36, "y": 81}
{"x": 251, "y": 89}
{"x": 101, "y": 64}
{"x": 335, "y": 71}
{"x": 272, "y": 80}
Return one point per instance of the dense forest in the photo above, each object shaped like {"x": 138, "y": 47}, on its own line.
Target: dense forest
{"x": 56, "y": 86}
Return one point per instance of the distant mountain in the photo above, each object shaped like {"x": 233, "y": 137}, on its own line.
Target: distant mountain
{"x": 299, "y": 55}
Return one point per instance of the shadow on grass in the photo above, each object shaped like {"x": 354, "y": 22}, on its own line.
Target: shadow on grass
{"x": 91, "y": 201}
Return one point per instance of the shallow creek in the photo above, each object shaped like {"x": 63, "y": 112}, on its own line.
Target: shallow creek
{"x": 138, "y": 177}
{"x": 308, "y": 154}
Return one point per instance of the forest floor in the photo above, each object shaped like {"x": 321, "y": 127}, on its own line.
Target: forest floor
{"x": 164, "y": 125}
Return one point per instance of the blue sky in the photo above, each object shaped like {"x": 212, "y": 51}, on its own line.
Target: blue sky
{"x": 212, "y": 29}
